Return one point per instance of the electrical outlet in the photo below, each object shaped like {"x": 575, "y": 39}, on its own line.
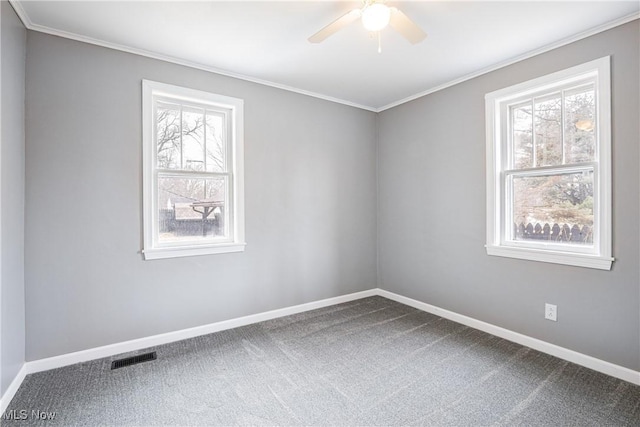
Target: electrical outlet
{"x": 551, "y": 312}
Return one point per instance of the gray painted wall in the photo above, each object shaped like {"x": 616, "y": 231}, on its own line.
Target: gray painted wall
{"x": 311, "y": 200}
{"x": 12, "y": 335}
{"x": 310, "y": 204}
{"x": 432, "y": 213}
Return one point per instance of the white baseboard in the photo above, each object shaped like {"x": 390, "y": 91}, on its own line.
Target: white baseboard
{"x": 154, "y": 340}
{"x": 590, "y": 362}
{"x": 608, "y": 368}
{"x": 12, "y": 389}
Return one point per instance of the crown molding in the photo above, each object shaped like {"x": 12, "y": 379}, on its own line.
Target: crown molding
{"x": 599, "y": 29}
{"x": 17, "y": 5}
{"x": 22, "y": 14}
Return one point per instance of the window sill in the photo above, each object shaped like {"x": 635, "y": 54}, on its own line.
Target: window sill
{"x": 182, "y": 251}
{"x": 555, "y": 257}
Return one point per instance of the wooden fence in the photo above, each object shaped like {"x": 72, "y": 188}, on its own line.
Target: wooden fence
{"x": 556, "y": 233}
{"x": 191, "y": 226}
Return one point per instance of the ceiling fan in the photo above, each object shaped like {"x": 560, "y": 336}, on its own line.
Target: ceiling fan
{"x": 375, "y": 16}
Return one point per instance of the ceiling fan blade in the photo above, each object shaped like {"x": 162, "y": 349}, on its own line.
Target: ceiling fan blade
{"x": 405, "y": 26}
{"x": 336, "y": 26}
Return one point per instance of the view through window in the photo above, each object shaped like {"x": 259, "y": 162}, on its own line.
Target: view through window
{"x": 549, "y": 168}
{"x": 192, "y": 171}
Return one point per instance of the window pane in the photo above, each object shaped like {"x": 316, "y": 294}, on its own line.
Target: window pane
{"x": 216, "y": 142}
{"x": 168, "y": 135}
{"x": 548, "y": 128}
{"x": 580, "y": 125}
{"x": 522, "y": 125}
{"x": 553, "y": 207}
{"x": 191, "y": 209}
{"x": 193, "y": 139}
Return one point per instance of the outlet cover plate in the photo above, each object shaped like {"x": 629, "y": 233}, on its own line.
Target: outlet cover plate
{"x": 551, "y": 312}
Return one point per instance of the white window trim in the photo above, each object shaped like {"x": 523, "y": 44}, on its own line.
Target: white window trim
{"x": 601, "y": 258}
{"x": 151, "y": 89}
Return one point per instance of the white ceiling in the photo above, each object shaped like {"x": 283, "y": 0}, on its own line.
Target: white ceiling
{"x": 266, "y": 41}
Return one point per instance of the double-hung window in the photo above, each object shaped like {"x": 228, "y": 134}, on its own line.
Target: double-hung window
{"x": 192, "y": 172}
{"x": 549, "y": 168}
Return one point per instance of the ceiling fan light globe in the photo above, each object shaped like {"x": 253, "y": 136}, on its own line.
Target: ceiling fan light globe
{"x": 376, "y": 17}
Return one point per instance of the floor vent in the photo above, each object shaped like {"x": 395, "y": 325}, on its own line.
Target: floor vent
{"x": 128, "y": 361}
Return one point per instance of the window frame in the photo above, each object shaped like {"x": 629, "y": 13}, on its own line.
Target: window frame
{"x": 498, "y": 152}
{"x": 234, "y": 109}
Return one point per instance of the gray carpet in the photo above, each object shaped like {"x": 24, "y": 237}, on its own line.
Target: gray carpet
{"x": 367, "y": 362}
